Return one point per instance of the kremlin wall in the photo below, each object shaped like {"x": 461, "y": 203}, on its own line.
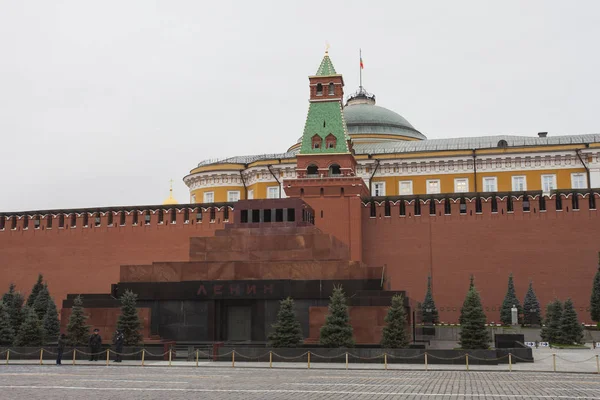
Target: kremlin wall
{"x": 410, "y": 206}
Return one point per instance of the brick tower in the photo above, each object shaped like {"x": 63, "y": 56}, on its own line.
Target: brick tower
{"x": 326, "y": 164}
{"x": 326, "y": 167}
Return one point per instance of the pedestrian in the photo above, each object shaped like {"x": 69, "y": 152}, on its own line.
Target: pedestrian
{"x": 95, "y": 344}
{"x": 118, "y": 342}
{"x": 62, "y": 338}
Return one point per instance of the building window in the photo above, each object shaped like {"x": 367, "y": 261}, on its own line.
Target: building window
{"x": 316, "y": 142}
{"x": 463, "y": 206}
{"x": 461, "y": 185}
{"x": 433, "y": 186}
{"x": 334, "y": 170}
{"x": 519, "y": 184}
{"x": 331, "y": 89}
{"x": 319, "y": 89}
{"x": 405, "y": 188}
{"x": 147, "y": 218}
{"x": 199, "y": 216}
{"x": 548, "y": 183}
{"x": 273, "y": 192}
{"x": 233, "y": 195}
{"x": 312, "y": 171}
{"x": 250, "y": 194}
{"x": 378, "y": 189}
{"x": 330, "y": 141}
{"x": 578, "y": 181}
{"x": 490, "y": 184}
{"x": 209, "y": 197}
{"x": 526, "y": 204}
{"x": 193, "y": 199}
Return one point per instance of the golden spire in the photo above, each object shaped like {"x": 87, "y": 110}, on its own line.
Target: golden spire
{"x": 170, "y": 200}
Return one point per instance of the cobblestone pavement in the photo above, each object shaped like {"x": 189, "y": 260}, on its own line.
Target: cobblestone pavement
{"x": 50, "y": 382}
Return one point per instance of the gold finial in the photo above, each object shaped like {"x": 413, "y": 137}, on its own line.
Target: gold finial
{"x": 170, "y": 200}
{"x": 327, "y": 48}
{"x": 171, "y": 185}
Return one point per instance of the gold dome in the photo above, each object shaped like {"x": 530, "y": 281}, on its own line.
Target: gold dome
{"x": 170, "y": 200}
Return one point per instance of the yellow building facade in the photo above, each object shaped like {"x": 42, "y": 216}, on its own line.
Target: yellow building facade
{"x": 395, "y": 159}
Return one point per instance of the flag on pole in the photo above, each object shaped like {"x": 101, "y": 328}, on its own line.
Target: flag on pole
{"x": 362, "y": 66}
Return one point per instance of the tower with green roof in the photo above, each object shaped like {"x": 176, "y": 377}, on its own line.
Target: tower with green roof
{"x": 326, "y": 149}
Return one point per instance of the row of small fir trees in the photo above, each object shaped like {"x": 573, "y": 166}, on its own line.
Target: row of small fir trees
{"x": 31, "y": 322}
{"x": 337, "y": 330}
{"x": 35, "y": 322}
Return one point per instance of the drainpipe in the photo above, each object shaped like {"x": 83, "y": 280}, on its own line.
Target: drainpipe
{"x": 244, "y": 182}
{"x": 587, "y": 170}
{"x": 475, "y": 169}
{"x": 372, "y": 175}
{"x": 278, "y": 183}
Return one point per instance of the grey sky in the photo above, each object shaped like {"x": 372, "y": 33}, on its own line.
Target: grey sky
{"x": 101, "y": 103}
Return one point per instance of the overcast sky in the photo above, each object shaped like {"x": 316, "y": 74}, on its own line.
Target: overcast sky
{"x": 102, "y": 103}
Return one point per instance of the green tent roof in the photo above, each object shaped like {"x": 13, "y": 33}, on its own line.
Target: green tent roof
{"x": 325, "y": 118}
{"x": 326, "y": 67}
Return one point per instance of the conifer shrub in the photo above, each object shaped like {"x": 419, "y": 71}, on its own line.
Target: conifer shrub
{"x": 395, "y": 335}
{"x": 337, "y": 331}
{"x": 473, "y": 332}
{"x": 77, "y": 329}
{"x": 286, "y": 331}
{"x": 129, "y": 322}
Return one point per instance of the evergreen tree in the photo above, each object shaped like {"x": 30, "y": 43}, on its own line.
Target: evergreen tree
{"x": 50, "y": 323}
{"x": 35, "y": 290}
{"x": 571, "y": 331}
{"x": 531, "y": 308}
{"x": 337, "y": 331}
{"x": 551, "y": 329}
{"x": 40, "y": 305}
{"x": 395, "y": 335}
{"x": 429, "y": 311}
{"x": 473, "y": 333}
{"x": 13, "y": 301}
{"x": 510, "y": 300}
{"x": 129, "y": 321}
{"x": 30, "y": 333}
{"x": 286, "y": 331}
{"x": 77, "y": 330}
{"x": 7, "y": 333}
{"x": 595, "y": 300}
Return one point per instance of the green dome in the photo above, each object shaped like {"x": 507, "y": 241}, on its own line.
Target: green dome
{"x": 364, "y": 117}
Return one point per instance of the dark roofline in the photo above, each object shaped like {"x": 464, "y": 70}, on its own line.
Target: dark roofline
{"x": 116, "y": 209}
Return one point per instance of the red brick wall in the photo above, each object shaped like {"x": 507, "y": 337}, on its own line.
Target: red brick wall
{"x": 557, "y": 250}
{"x": 87, "y": 260}
{"x": 105, "y": 319}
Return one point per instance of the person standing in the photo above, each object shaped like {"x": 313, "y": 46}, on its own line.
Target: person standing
{"x": 61, "y": 347}
{"x": 119, "y": 339}
{"x": 95, "y": 344}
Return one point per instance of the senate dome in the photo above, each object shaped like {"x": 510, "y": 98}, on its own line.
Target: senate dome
{"x": 365, "y": 120}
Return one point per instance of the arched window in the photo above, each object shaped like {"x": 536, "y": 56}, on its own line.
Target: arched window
{"x": 334, "y": 170}
{"x": 331, "y": 89}
{"x": 319, "y": 89}
{"x": 312, "y": 170}
{"x": 502, "y": 143}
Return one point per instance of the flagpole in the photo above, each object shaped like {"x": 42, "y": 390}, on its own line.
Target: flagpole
{"x": 360, "y": 67}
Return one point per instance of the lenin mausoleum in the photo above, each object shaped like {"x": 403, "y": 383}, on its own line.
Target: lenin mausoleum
{"x": 362, "y": 199}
